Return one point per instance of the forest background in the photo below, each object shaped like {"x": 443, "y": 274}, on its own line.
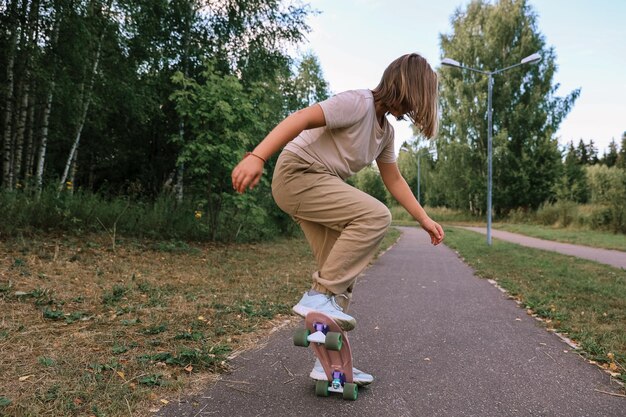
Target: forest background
{"x": 128, "y": 116}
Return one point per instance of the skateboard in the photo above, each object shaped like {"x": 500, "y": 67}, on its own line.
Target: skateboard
{"x": 331, "y": 346}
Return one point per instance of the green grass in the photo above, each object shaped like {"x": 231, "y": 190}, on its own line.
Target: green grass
{"x": 596, "y": 239}
{"x": 585, "y": 300}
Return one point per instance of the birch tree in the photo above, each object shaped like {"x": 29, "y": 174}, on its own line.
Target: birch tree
{"x": 45, "y": 118}
{"x": 12, "y": 28}
{"x": 86, "y": 90}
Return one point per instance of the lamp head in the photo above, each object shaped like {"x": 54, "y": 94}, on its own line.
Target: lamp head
{"x": 450, "y": 62}
{"x": 531, "y": 59}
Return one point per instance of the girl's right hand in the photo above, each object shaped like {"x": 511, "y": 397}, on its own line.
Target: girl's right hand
{"x": 247, "y": 173}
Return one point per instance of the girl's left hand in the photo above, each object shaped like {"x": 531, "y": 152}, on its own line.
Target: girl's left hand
{"x": 434, "y": 229}
{"x": 247, "y": 173}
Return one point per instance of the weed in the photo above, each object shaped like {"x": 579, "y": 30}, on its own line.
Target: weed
{"x": 153, "y": 380}
{"x": 115, "y": 295}
{"x": 152, "y": 330}
{"x": 53, "y": 314}
{"x": 45, "y": 361}
{"x": 195, "y": 336}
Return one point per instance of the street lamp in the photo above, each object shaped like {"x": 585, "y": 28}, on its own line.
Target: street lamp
{"x": 530, "y": 59}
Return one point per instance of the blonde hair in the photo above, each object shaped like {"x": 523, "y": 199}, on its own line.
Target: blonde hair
{"x": 409, "y": 84}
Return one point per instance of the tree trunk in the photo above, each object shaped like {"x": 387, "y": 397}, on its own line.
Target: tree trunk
{"x": 8, "y": 108}
{"x": 45, "y": 119}
{"x": 30, "y": 146}
{"x": 19, "y": 137}
{"x": 180, "y": 171}
{"x": 179, "y": 188}
{"x": 29, "y": 37}
{"x": 86, "y": 100}
{"x": 72, "y": 182}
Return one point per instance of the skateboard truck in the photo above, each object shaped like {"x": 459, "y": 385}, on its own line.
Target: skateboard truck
{"x": 339, "y": 379}
{"x": 321, "y": 330}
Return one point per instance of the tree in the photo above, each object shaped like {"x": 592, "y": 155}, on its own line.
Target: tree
{"x": 609, "y": 159}
{"x": 527, "y": 112}
{"x": 308, "y": 86}
{"x": 573, "y": 186}
{"x": 621, "y": 156}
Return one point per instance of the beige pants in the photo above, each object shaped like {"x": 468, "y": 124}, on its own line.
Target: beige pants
{"x": 343, "y": 225}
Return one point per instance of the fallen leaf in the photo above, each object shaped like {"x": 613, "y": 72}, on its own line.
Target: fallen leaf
{"x": 121, "y": 375}
{"x": 189, "y": 368}
{"x": 164, "y": 401}
{"x": 24, "y": 378}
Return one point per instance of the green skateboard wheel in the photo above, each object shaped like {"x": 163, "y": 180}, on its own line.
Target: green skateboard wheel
{"x": 350, "y": 391}
{"x": 333, "y": 341}
{"x": 300, "y": 337}
{"x": 321, "y": 388}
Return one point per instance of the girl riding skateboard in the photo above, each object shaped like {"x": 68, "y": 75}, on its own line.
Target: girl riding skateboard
{"x": 326, "y": 143}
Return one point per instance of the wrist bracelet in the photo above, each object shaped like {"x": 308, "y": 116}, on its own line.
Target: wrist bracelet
{"x": 253, "y": 154}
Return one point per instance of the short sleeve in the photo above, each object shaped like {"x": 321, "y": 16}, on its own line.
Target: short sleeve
{"x": 388, "y": 154}
{"x": 344, "y": 109}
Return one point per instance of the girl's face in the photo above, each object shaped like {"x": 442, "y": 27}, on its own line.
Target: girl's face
{"x": 397, "y": 113}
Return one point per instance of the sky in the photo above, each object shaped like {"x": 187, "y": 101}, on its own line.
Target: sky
{"x": 355, "y": 40}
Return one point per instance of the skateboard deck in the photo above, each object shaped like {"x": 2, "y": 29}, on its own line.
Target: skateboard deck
{"x": 331, "y": 346}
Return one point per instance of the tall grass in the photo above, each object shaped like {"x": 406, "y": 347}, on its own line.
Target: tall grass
{"x": 565, "y": 214}
{"x": 163, "y": 218}
{"x": 439, "y": 214}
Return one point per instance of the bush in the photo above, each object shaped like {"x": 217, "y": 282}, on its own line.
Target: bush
{"x": 608, "y": 187}
{"x": 561, "y": 213}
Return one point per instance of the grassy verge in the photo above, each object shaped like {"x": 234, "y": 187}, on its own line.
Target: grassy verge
{"x": 89, "y": 331}
{"x": 584, "y": 300}
{"x": 597, "y": 239}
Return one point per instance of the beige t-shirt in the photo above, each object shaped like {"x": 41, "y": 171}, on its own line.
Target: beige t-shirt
{"x": 351, "y": 139}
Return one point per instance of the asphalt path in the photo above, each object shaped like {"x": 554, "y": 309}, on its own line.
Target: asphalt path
{"x": 610, "y": 257}
{"x": 439, "y": 342}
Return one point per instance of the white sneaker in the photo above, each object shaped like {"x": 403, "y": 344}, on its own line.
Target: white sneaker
{"x": 327, "y": 305}
{"x": 360, "y": 377}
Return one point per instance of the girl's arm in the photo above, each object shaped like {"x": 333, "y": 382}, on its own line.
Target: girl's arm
{"x": 248, "y": 172}
{"x": 400, "y": 190}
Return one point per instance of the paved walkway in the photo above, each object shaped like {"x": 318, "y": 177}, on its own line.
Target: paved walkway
{"x": 606, "y": 256}
{"x": 439, "y": 341}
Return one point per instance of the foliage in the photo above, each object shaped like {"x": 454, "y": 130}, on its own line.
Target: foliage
{"x": 369, "y": 181}
{"x": 527, "y": 112}
{"x": 572, "y": 185}
{"x": 607, "y": 186}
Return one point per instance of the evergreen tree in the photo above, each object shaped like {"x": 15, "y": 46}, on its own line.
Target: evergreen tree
{"x": 609, "y": 159}
{"x": 621, "y": 156}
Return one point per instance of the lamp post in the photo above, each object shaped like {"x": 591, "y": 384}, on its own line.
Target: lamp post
{"x": 531, "y": 59}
